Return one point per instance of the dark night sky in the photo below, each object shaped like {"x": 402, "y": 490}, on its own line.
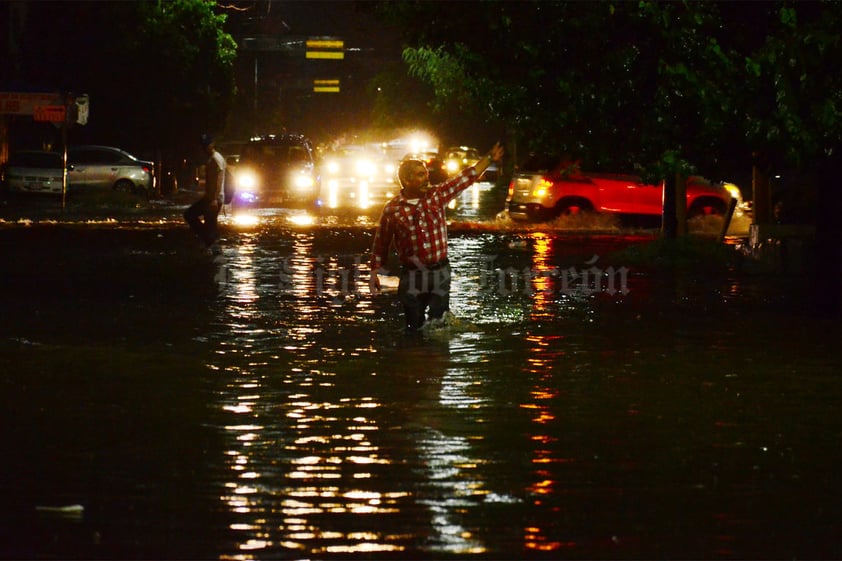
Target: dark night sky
{"x": 368, "y": 44}
{"x": 359, "y": 27}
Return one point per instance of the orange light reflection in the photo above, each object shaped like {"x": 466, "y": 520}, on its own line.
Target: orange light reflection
{"x": 543, "y": 283}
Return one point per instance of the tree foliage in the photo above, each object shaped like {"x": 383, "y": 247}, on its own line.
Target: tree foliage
{"x": 399, "y": 99}
{"x": 191, "y": 84}
{"x": 796, "y": 78}
{"x": 661, "y": 86}
{"x": 544, "y": 69}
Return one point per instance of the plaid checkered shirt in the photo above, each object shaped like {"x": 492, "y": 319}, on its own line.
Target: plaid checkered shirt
{"x": 419, "y": 230}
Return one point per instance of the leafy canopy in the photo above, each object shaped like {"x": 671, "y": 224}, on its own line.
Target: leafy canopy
{"x": 658, "y": 86}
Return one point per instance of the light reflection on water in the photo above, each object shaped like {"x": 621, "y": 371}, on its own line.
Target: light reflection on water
{"x": 541, "y": 283}
{"x": 300, "y": 459}
{"x": 539, "y": 433}
{"x": 318, "y": 488}
{"x": 688, "y": 417}
{"x": 285, "y": 493}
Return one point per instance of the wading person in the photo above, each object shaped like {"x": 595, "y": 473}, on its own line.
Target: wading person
{"x": 415, "y": 221}
{"x": 203, "y": 214}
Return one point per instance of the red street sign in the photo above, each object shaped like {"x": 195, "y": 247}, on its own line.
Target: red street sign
{"x": 24, "y": 103}
{"x": 49, "y": 113}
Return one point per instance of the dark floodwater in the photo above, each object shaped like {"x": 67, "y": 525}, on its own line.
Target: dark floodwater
{"x": 265, "y": 405}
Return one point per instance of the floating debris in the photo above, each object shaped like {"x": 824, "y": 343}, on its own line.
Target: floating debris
{"x": 75, "y": 512}
{"x": 389, "y": 283}
{"x": 448, "y": 324}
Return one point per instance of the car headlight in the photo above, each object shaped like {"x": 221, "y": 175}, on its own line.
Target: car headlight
{"x": 303, "y": 181}
{"x": 365, "y": 168}
{"x": 734, "y": 191}
{"x": 332, "y": 167}
{"x": 452, "y": 166}
{"x": 247, "y": 180}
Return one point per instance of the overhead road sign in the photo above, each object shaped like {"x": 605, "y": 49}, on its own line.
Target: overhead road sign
{"x": 326, "y": 86}
{"x": 328, "y": 48}
{"x": 331, "y": 48}
{"x": 325, "y": 44}
{"x": 329, "y": 55}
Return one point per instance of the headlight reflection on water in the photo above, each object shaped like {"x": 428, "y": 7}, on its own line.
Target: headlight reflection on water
{"x": 302, "y": 219}
{"x": 308, "y": 487}
{"x": 309, "y": 467}
{"x": 245, "y": 220}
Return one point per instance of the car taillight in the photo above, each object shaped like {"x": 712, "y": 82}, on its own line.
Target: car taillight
{"x": 149, "y": 169}
{"x": 541, "y": 187}
{"x": 512, "y": 187}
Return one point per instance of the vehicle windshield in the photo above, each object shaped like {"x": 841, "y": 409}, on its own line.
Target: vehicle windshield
{"x": 273, "y": 153}
{"x": 352, "y": 154}
{"x": 463, "y": 155}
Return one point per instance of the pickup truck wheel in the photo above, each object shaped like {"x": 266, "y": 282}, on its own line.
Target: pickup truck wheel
{"x": 570, "y": 208}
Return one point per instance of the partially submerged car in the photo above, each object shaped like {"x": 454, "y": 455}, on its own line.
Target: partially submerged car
{"x": 89, "y": 169}
{"x": 278, "y": 169}
{"x": 470, "y": 201}
{"x": 544, "y": 188}
{"x": 457, "y": 158}
{"x": 356, "y": 176}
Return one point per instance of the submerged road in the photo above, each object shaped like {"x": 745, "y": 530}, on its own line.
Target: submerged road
{"x": 163, "y": 403}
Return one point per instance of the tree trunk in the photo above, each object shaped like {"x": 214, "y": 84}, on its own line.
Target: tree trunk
{"x": 680, "y": 205}
{"x": 669, "y": 223}
{"x": 761, "y": 192}
{"x": 4, "y": 139}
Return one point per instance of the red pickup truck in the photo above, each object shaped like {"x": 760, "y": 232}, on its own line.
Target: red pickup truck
{"x": 543, "y": 191}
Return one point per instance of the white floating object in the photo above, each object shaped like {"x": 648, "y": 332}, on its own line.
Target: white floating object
{"x": 388, "y": 282}
{"x": 65, "y": 511}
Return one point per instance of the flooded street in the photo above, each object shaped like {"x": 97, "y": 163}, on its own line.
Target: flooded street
{"x": 162, "y": 403}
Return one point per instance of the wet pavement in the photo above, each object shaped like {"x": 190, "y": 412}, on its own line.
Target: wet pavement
{"x": 163, "y": 403}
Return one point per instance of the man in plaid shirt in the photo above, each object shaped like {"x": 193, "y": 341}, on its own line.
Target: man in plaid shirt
{"x": 416, "y": 222}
